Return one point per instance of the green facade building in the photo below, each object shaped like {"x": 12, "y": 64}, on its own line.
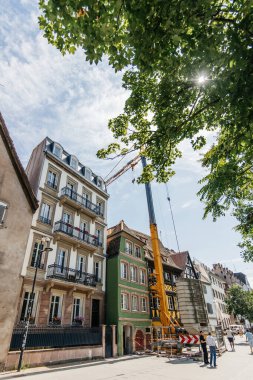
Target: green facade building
{"x": 127, "y": 301}
{"x": 132, "y": 303}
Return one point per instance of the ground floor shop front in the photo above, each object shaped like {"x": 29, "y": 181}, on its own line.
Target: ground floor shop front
{"x": 133, "y": 336}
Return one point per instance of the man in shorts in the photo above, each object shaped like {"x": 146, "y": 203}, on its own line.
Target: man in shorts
{"x": 230, "y": 337}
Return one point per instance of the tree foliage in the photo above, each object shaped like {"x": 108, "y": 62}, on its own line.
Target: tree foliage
{"x": 240, "y": 302}
{"x": 163, "y": 47}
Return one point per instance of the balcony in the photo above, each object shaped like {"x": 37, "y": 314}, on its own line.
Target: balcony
{"x": 44, "y": 220}
{"x": 80, "y": 203}
{"x": 60, "y": 272}
{"x": 76, "y": 236}
{"x": 52, "y": 184}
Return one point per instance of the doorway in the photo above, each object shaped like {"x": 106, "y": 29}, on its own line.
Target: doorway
{"x": 127, "y": 340}
{"x": 95, "y": 320}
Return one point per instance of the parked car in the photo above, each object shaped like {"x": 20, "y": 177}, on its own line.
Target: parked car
{"x": 236, "y": 328}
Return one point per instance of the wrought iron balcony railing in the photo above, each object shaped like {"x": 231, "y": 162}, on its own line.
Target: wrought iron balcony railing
{"x": 71, "y": 275}
{"x": 52, "y": 185}
{"x": 76, "y": 233}
{"x": 82, "y": 201}
{"x": 44, "y": 220}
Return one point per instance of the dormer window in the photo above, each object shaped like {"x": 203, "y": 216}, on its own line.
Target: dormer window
{"x": 88, "y": 173}
{"x": 100, "y": 182}
{"x": 57, "y": 150}
{"x": 3, "y": 208}
{"x": 73, "y": 162}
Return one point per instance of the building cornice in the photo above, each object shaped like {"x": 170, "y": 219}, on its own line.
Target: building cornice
{"x": 74, "y": 173}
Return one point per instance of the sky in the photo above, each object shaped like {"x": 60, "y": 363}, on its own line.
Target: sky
{"x": 43, "y": 93}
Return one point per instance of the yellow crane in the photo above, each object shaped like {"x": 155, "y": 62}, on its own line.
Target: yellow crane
{"x": 166, "y": 321}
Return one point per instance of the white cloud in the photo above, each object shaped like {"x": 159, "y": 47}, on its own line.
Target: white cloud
{"x": 188, "y": 204}
{"x": 45, "y": 93}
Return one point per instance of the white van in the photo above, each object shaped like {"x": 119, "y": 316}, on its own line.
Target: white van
{"x": 236, "y": 328}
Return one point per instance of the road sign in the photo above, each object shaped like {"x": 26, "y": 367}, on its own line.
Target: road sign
{"x": 189, "y": 339}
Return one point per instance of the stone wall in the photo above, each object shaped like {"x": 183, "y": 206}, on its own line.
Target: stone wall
{"x": 33, "y": 358}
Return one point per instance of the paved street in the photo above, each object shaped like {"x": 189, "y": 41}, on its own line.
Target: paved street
{"x": 236, "y": 365}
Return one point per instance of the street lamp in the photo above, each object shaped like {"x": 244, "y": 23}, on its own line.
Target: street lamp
{"x": 31, "y": 299}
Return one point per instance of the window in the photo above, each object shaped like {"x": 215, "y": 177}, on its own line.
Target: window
{"x": 100, "y": 207}
{"x": 123, "y": 271}
{"x": 97, "y": 271}
{"x": 99, "y": 235}
{"x": 67, "y": 217}
{"x": 73, "y": 162}
{"x": 175, "y": 303}
{"x": 60, "y": 260}
{"x": 209, "y": 308}
{"x": 204, "y": 289}
{"x": 71, "y": 190}
{"x": 124, "y": 301}
{"x": 3, "y": 208}
{"x": 77, "y": 309}
{"x": 57, "y": 151}
{"x": 137, "y": 251}
{"x": 24, "y": 311}
{"x": 133, "y": 273}
{"x": 142, "y": 276}
{"x": 129, "y": 248}
{"x": 86, "y": 198}
{"x": 84, "y": 226}
{"x": 81, "y": 263}
{"x": 174, "y": 278}
{"x": 167, "y": 276}
{"x": 55, "y": 309}
{"x": 52, "y": 179}
{"x": 134, "y": 303}
{"x": 88, "y": 173}
{"x": 170, "y": 303}
{"x": 37, "y": 254}
{"x": 143, "y": 304}
{"x": 45, "y": 213}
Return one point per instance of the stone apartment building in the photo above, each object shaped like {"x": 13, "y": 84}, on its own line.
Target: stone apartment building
{"x": 17, "y": 205}
{"x": 203, "y": 272}
{"x": 219, "y": 294}
{"x": 229, "y": 279}
{"x": 72, "y": 210}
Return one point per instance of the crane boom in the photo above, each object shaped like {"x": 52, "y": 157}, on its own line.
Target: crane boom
{"x": 130, "y": 165}
{"x": 165, "y": 317}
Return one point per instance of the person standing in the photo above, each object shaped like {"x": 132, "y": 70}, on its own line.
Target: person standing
{"x": 203, "y": 346}
{"x": 212, "y": 346}
{"x": 230, "y": 337}
{"x": 249, "y": 337}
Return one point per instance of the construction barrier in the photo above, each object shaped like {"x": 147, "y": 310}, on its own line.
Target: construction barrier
{"x": 189, "y": 339}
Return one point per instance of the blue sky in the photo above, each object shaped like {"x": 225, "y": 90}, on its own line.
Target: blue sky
{"x": 43, "y": 94}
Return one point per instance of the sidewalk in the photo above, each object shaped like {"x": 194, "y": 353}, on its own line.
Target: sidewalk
{"x": 232, "y": 365}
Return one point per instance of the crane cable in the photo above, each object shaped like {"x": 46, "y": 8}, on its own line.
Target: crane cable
{"x": 172, "y": 217}
{"x": 114, "y": 167}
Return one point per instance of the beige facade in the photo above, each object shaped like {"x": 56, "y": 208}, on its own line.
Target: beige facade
{"x": 72, "y": 211}
{"x": 17, "y": 205}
